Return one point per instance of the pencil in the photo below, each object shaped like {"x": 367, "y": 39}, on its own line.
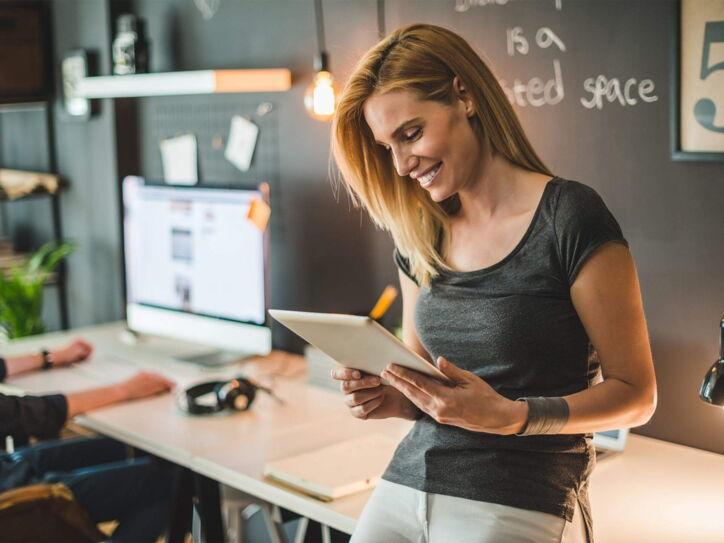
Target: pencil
{"x": 383, "y": 302}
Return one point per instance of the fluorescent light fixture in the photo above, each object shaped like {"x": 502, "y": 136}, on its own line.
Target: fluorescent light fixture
{"x": 179, "y": 83}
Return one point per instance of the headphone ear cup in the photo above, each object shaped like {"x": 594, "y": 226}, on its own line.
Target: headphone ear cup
{"x": 193, "y": 407}
{"x": 236, "y": 400}
{"x": 249, "y": 390}
{"x": 237, "y": 394}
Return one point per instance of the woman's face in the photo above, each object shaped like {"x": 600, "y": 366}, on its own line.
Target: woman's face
{"x": 431, "y": 142}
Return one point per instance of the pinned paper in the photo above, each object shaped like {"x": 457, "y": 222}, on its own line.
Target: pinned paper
{"x": 179, "y": 160}
{"x": 259, "y": 213}
{"x": 242, "y": 141}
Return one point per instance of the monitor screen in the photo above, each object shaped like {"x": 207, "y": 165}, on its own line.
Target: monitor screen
{"x": 194, "y": 250}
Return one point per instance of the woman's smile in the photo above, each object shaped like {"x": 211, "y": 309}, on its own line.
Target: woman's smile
{"x": 429, "y": 176}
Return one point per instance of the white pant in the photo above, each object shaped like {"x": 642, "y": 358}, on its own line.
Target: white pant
{"x": 400, "y": 514}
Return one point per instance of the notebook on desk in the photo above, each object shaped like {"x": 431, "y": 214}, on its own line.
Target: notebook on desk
{"x": 336, "y": 470}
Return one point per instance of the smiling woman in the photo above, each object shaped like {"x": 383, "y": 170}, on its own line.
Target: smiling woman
{"x": 423, "y": 87}
{"x": 518, "y": 283}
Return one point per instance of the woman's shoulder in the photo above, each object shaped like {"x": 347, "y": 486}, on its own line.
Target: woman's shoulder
{"x": 582, "y": 222}
{"x": 572, "y": 188}
{"x": 572, "y": 197}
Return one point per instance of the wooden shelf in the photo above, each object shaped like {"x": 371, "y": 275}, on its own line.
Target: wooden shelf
{"x": 28, "y": 184}
{"x": 39, "y": 192}
{"x": 7, "y": 262}
{"x": 180, "y": 83}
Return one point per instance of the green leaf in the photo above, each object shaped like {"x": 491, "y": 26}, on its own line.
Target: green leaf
{"x": 21, "y": 290}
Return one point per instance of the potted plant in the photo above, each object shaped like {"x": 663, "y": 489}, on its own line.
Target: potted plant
{"x": 21, "y": 290}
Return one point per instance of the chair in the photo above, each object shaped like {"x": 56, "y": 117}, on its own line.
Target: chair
{"x": 45, "y": 513}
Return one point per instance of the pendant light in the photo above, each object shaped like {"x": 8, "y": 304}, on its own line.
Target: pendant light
{"x": 381, "y": 19}
{"x": 320, "y": 99}
{"x": 712, "y": 387}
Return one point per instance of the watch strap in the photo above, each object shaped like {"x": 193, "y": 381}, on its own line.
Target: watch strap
{"x": 47, "y": 362}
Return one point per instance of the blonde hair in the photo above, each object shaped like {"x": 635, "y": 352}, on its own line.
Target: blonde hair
{"x": 423, "y": 59}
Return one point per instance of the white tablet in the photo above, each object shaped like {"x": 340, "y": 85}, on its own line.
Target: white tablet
{"x": 354, "y": 342}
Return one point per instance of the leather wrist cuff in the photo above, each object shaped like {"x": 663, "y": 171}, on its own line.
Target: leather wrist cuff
{"x": 545, "y": 416}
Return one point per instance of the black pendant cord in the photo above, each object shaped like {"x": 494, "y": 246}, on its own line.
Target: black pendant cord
{"x": 381, "y": 19}
{"x": 321, "y": 46}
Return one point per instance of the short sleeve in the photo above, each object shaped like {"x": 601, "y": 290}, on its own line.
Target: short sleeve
{"x": 404, "y": 265}
{"x": 38, "y": 416}
{"x": 582, "y": 224}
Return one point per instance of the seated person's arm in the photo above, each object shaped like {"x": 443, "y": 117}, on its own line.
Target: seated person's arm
{"x": 43, "y": 416}
{"x": 75, "y": 351}
{"x": 39, "y": 416}
{"x": 139, "y": 386}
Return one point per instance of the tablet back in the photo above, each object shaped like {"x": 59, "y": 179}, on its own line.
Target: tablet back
{"x": 353, "y": 341}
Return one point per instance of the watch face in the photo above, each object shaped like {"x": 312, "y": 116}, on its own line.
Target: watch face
{"x": 74, "y": 68}
{"x": 47, "y": 363}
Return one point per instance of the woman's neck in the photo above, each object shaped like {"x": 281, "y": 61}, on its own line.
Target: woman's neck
{"x": 501, "y": 189}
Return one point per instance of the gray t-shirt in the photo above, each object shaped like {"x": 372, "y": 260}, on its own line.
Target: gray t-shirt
{"x": 514, "y": 325}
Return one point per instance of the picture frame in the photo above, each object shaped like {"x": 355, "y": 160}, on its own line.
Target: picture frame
{"x": 697, "y": 82}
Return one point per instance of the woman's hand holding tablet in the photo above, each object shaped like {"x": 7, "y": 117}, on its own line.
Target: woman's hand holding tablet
{"x": 368, "y": 398}
{"x": 364, "y": 349}
{"x": 354, "y": 341}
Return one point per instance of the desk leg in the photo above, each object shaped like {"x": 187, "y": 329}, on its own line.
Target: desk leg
{"x": 209, "y": 509}
{"x": 182, "y": 507}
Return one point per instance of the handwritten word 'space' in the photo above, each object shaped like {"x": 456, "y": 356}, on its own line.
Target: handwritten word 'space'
{"x": 544, "y": 38}
{"x": 537, "y": 92}
{"x": 465, "y": 5}
{"x": 603, "y": 89}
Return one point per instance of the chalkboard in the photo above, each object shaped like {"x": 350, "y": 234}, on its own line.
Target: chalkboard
{"x": 588, "y": 79}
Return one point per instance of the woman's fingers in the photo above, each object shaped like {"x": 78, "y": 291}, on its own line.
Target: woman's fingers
{"x": 371, "y": 381}
{"x": 362, "y": 396}
{"x": 426, "y": 384}
{"x": 352, "y": 379}
{"x": 421, "y": 399}
{"x": 363, "y": 411}
{"x": 345, "y": 374}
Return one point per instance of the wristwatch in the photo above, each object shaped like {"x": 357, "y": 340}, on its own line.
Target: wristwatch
{"x": 47, "y": 363}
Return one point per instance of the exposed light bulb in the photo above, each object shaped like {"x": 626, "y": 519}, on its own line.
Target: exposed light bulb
{"x": 320, "y": 99}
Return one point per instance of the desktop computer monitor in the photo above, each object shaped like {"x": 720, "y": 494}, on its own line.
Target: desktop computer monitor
{"x": 196, "y": 267}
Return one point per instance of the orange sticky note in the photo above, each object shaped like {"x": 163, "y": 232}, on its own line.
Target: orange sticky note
{"x": 259, "y": 213}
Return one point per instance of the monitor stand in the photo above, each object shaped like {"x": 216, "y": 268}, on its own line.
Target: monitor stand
{"x": 214, "y": 359}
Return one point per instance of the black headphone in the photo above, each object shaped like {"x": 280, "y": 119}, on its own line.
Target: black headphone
{"x": 237, "y": 395}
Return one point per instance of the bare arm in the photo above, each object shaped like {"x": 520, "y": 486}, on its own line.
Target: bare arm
{"x": 141, "y": 385}
{"x": 607, "y": 297}
{"x": 15, "y": 365}
{"x": 75, "y": 351}
{"x": 87, "y": 400}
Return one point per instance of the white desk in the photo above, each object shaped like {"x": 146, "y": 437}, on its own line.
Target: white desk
{"x": 654, "y": 492}
{"x": 231, "y": 449}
